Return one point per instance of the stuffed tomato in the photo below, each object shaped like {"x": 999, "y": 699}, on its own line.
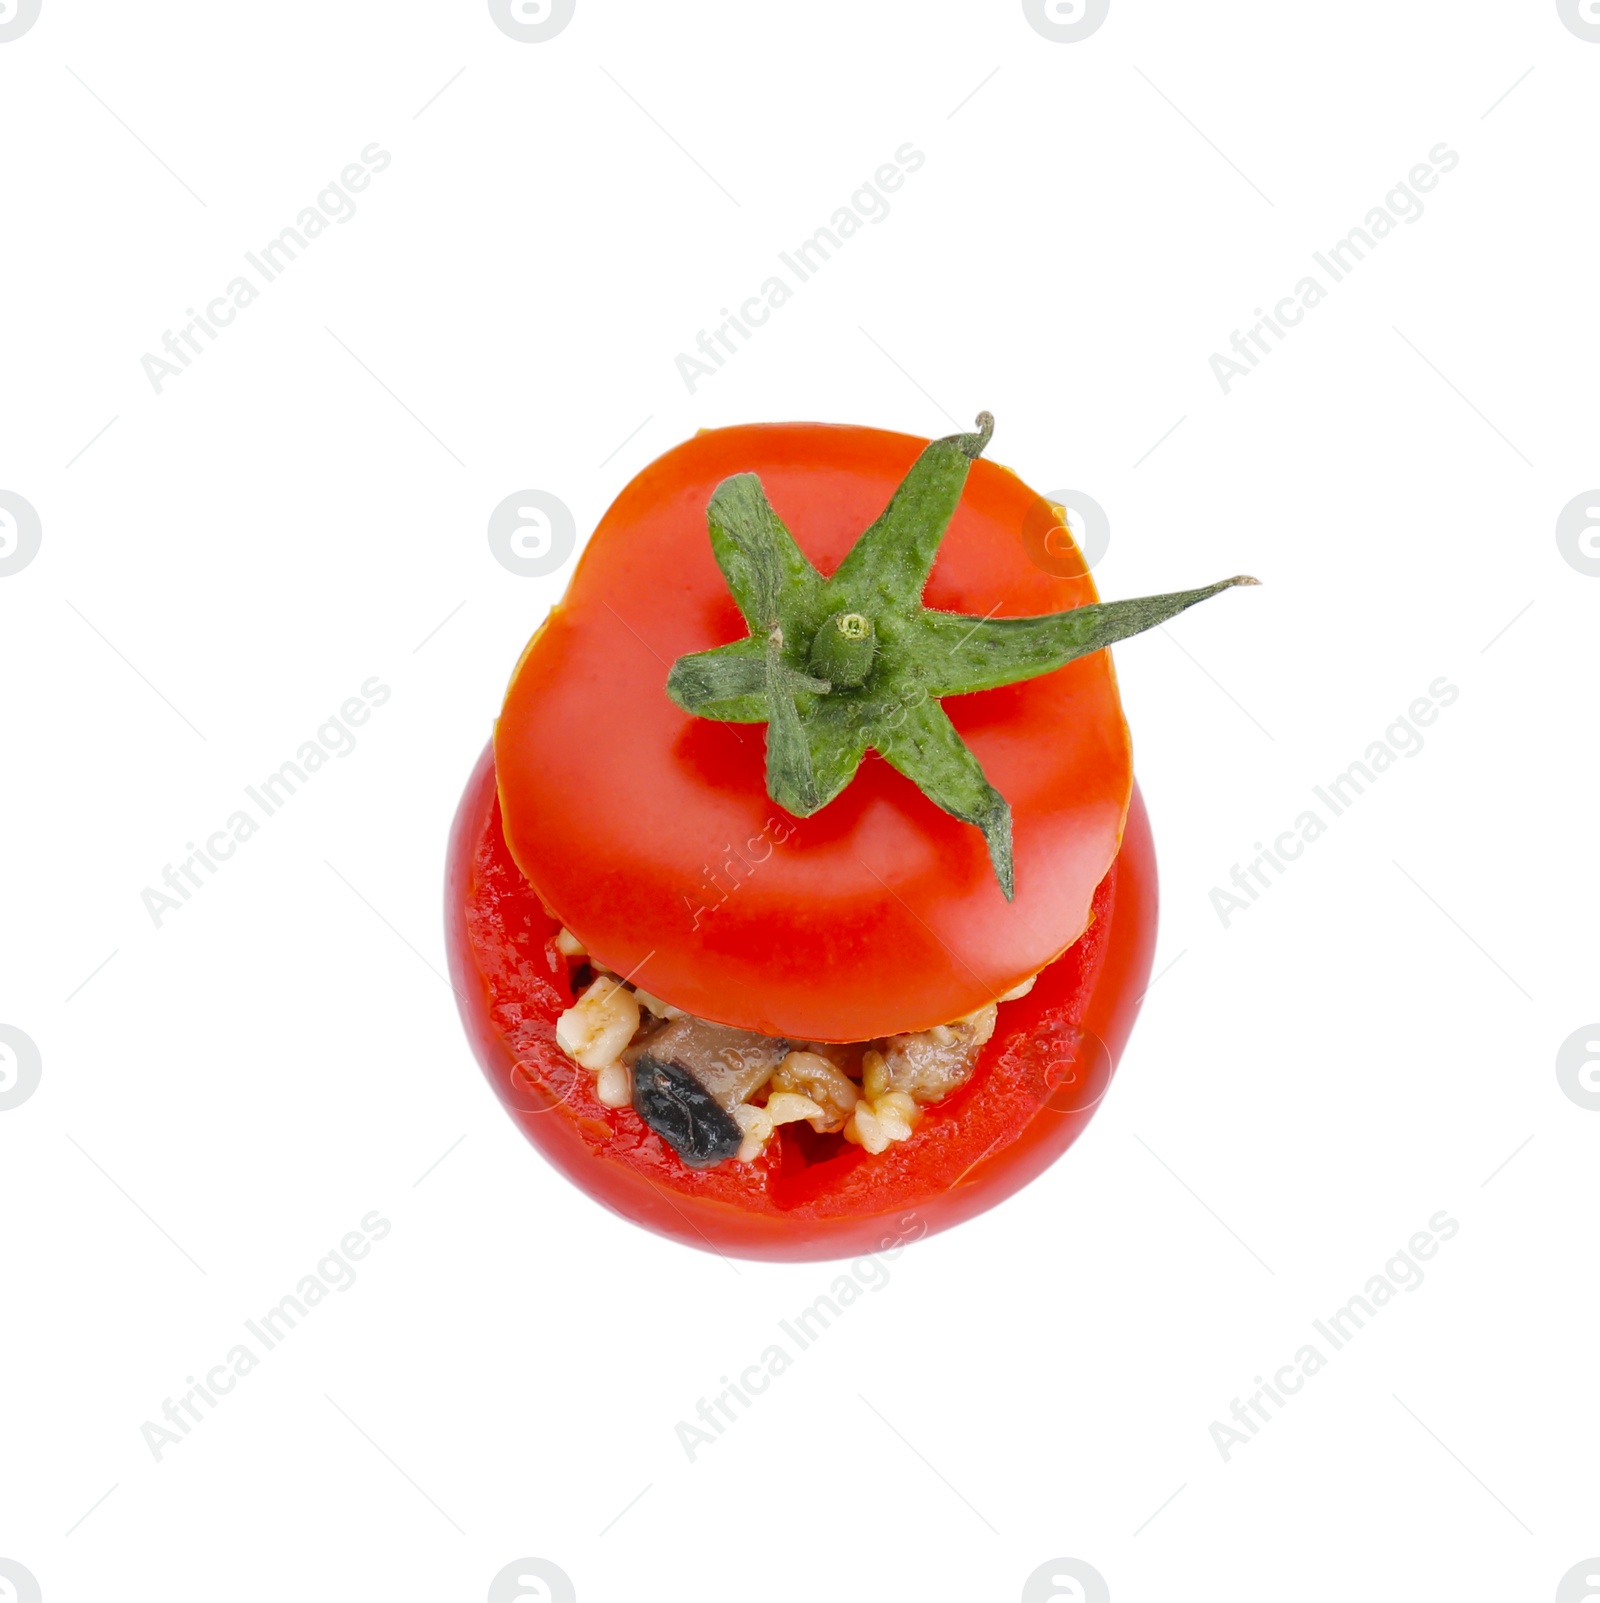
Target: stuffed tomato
{"x": 804, "y": 900}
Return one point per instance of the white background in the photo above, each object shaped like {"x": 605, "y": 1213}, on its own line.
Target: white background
{"x": 1374, "y": 1040}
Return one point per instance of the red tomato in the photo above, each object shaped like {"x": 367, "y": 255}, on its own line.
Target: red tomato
{"x": 649, "y": 833}
{"x": 1035, "y": 1086}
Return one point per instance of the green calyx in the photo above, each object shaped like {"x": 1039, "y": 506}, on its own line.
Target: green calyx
{"x": 837, "y": 666}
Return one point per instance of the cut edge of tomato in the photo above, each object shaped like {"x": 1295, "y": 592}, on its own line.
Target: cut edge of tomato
{"x": 738, "y": 1021}
{"x": 1015, "y": 1154}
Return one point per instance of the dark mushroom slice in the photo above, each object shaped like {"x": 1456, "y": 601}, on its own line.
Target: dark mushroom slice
{"x": 732, "y": 1065}
{"x": 683, "y": 1113}
{"x": 690, "y": 1075}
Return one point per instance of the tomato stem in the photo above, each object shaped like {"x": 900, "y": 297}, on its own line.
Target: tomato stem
{"x": 837, "y": 666}
{"x": 843, "y": 649}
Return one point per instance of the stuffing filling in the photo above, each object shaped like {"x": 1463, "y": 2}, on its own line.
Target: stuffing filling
{"x": 715, "y": 1093}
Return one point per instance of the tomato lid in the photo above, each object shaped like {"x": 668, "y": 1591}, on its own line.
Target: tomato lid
{"x": 814, "y": 781}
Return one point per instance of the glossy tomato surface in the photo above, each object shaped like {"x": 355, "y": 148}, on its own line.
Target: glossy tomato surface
{"x": 649, "y": 832}
{"x": 1036, "y": 1084}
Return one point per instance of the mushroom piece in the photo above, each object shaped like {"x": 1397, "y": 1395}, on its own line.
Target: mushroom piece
{"x": 731, "y": 1064}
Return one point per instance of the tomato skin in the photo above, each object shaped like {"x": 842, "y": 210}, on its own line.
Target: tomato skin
{"x": 999, "y": 1131}
{"x": 651, "y": 835}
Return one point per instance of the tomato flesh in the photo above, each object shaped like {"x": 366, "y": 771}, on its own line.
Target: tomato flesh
{"x": 1036, "y": 1084}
